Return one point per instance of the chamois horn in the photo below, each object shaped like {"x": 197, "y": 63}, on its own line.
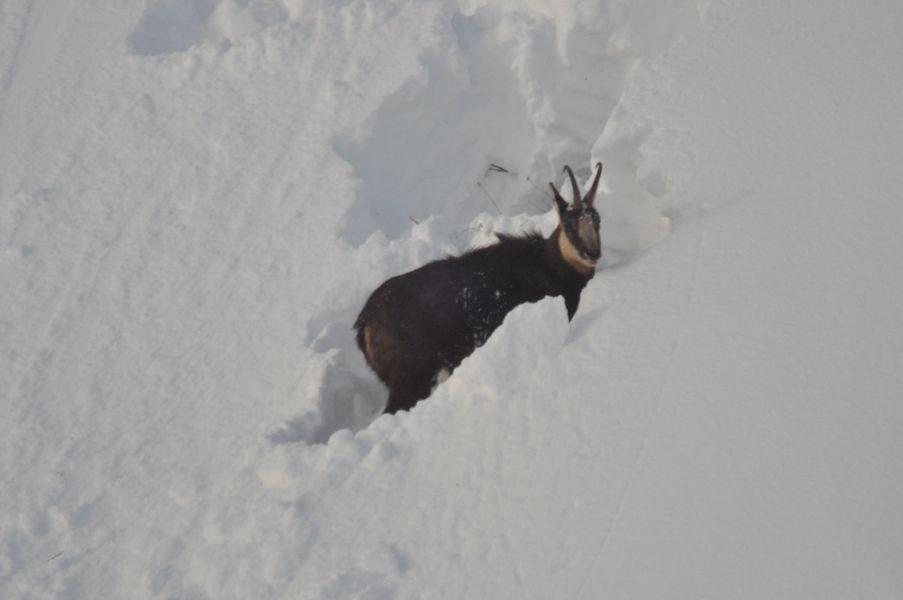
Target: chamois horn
{"x": 591, "y": 194}
{"x": 576, "y": 205}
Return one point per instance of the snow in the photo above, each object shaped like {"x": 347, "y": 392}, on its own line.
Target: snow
{"x": 196, "y": 198}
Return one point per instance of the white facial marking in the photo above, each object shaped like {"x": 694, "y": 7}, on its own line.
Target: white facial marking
{"x": 572, "y": 255}
{"x": 368, "y": 344}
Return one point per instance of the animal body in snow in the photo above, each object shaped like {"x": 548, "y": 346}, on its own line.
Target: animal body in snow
{"x": 420, "y": 325}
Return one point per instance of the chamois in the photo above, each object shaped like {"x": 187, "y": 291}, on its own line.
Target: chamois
{"x": 417, "y": 327}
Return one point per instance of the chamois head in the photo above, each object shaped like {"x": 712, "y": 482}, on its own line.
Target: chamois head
{"x": 578, "y": 237}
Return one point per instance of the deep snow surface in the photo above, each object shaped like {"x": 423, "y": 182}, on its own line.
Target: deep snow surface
{"x": 196, "y": 197}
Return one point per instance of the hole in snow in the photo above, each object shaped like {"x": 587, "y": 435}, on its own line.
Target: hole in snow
{"x": 350, "y": 396}
{"x": 176, "y": 25}
{"x": 171, "y": 26}
{"x": 347, "y": 401}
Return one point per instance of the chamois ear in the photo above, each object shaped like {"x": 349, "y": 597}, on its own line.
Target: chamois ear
{"x": 562, "y": 204}
{"x": 591, "y": 194}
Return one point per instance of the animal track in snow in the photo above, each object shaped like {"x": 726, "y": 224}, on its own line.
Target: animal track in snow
{"x": 169, "y": 26}
{"x": 350, "y": 395}
{"x": 424, "y": 150}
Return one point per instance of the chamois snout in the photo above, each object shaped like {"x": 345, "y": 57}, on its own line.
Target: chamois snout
{"x": 588, "y": 234}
